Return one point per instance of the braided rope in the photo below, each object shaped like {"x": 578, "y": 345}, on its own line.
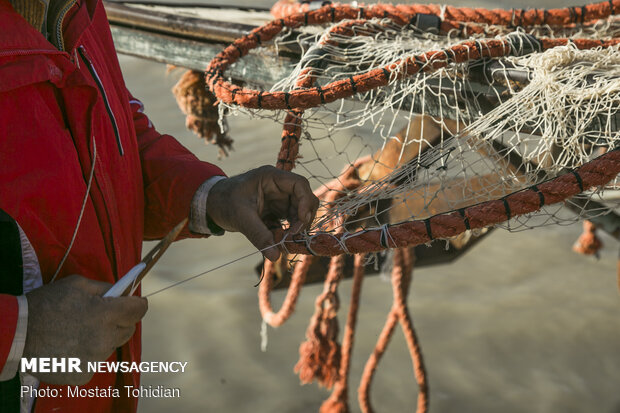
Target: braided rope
{"x": 501, "y": 17}
{"x": 312, "y": 97}
{"x": 288, "y": 307}
{"x": 401, "y": 281}
{"x": 338, "y": 400}
{"x": 592, "y": 174}
{"x": 319, "y": 355}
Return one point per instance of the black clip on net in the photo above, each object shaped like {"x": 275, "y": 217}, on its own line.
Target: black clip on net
{"x": 426, "y": 23}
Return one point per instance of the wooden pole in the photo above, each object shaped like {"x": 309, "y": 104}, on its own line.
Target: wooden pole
{"x": 177, "y": 25}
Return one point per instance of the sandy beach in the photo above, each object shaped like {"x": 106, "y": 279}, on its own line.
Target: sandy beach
{"x": 521, "y": 323}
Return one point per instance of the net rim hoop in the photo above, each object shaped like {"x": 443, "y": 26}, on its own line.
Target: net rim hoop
{"x": 306, "y": 98}
{"x": 558, "y": 17}
{"x": 594, "y": 173}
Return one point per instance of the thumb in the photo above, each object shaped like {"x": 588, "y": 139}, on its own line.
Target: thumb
{"x": 92, "y": 287}
{"x": 126, "y": 311}
{"x": 255, "y": 230}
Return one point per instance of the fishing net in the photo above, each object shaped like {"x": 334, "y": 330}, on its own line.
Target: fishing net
{"x": 418, "y": 123}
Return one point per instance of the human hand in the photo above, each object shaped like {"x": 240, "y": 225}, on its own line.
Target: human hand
{"x": 70, "y": 318}
{"x": 255, "y": 201}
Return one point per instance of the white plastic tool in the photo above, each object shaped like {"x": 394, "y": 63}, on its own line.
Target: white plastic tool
{"x": 128, "y": 284}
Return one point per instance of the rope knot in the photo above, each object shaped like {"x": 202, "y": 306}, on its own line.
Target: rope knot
{"x": 588, "y": 242}
{"x": 200, "y": 107}
{"x": 319, "y": 355}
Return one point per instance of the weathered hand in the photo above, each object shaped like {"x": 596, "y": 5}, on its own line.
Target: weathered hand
{"x": 256, "y": 201}
{"x": 70, "y": 318}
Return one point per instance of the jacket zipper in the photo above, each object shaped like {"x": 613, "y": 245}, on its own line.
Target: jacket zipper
{"x": 97, "y": 79}
{"x": 28, "y": 52}
{"x": 61, "y": 18}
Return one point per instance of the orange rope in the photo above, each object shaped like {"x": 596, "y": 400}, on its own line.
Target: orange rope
{"x": 592, "y": 174}
{"x": 401, "y": 281}
{"x": 198, "y": 104}
{"x": 513, "y": 17}
{"x": 588, "y": 243}
{"x": 319, "y": 355}
{"x": 341, "y": 89}
{"x": 348, "y": 180}
{"x": 288, "y": 307}
{"x": 338, "y": 400}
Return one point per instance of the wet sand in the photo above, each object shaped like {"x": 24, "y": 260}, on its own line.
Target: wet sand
{"x": 521, "y": 323}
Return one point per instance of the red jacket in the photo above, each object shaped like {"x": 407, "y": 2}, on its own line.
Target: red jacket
{"x": 53, "y": 106}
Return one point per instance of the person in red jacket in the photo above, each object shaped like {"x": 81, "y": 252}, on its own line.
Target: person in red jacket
{"x": 84, "y": 179}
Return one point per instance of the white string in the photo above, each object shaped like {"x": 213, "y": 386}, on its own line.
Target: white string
{"x": 79, "y": 221}
{"x": 264, "y": 339}
{"x": 282, "y": 243}
{"x": 342, "y": 242}
{"x": 385, "y": 234}
{"x": 133, "y": 286}
{"x": 210, "y": 270}
{"x": 308, "y": 242}
{"x": 442, "y": 12}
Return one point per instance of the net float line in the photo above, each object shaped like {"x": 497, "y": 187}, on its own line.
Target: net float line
{"x": 290, "y": 146}
{"x": 513, "y": 17}
{"x": 306, "y": 98}
{"x": 595, "y": 173}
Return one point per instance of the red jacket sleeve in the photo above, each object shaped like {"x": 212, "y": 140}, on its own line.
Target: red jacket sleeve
{"x": 171, "y": 175}
{"x": 9, "y": 310}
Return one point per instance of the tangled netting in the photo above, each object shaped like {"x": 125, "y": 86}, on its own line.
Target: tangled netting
{"x": 447, "y": 121}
